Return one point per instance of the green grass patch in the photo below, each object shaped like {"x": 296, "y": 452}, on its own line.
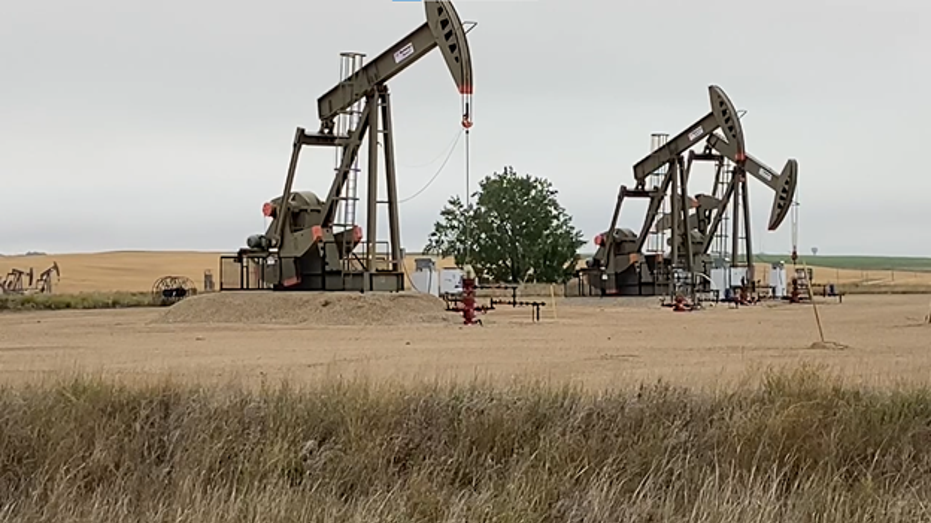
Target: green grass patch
{"x": 862, "y": 263}
{"x": 797, "y": 446}
{"x": 855, "y": 288}
{"x": 91, "y": 300}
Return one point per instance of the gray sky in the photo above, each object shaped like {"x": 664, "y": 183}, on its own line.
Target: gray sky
{"x": 166, "y": 125}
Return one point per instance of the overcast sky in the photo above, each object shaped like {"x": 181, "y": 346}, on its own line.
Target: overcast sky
{"x": 166, "y": 125}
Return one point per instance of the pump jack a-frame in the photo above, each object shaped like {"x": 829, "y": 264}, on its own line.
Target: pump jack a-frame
{"x": 304, "y": 248}
{"x": 620, "y": 266}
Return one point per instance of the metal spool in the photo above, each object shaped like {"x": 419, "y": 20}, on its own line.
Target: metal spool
{"x": 172, "y": 289}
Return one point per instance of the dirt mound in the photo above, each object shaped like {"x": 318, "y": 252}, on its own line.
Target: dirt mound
{"x": 314, "y": 308}
{"x": 827, "y": 345}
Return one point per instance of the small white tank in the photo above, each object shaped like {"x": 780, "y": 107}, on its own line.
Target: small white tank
{"x": 426, "y": 278}
{"x": 426, "y": 281}
{"x": 777, "y": 279}
{"x": 719, "y": 280}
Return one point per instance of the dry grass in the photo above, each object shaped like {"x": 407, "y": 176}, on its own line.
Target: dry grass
{"x": 595, "y": 342}
{"x": 797, "y": 447}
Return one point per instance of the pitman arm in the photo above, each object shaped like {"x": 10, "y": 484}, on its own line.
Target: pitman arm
{"x": 782, "y": 184}
{"x": 442, "y": 29}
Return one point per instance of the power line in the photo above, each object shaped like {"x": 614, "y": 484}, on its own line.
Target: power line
{"x": 433, "y": 161}
{"x": 449, "y": 155}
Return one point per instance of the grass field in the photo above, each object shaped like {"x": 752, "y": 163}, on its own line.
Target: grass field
{"x": 606, "y": 410}
{"x": 857, "y": 263}
{"x": 797, "y": 447}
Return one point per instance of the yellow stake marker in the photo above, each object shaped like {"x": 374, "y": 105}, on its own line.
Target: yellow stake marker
{"x": 814, "y": 307}
{"x": 553, "y": 297}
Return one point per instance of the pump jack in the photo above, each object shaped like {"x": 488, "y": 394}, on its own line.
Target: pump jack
{"x": 304, "y": 248}
{"x": 44, "y": 281}
{"x": 619, "y": 265}
{"x": 13, "y": 282}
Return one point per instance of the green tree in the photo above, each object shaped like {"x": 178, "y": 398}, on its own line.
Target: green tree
{"x": 515, "y": 231}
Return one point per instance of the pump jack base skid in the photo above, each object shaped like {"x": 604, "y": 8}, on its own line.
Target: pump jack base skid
{"x": 252, "y": 271}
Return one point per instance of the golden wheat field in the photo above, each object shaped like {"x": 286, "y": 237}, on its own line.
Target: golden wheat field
{"x": 138, "y": 271}
{"x": 131, "y": 271}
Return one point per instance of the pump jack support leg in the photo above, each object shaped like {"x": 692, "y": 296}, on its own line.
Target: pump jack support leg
{"x": 350, "y": 153}
{"x": 392, "y": 181}
{"x": 674, "y": 203}
{"x": 745, "y": 196}
{"x": 609, "y": 236}
{"x": 372, "y": 101}
{"x": 686, "y": 229}
{"x": 736, "y": 175}
{"x": 283, "y": 214}
{"x": 719, "y": 213}
{"x": 655, "y": 201}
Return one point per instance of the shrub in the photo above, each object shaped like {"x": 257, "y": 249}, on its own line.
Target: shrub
{"x": 95, "y": 300}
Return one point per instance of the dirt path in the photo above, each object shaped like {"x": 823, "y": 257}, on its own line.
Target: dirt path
{"x": 595, "y": 342}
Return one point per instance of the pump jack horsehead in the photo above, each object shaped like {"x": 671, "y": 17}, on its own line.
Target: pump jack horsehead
{"x": 620, "y": 267}
{"x": 304, "y": 247}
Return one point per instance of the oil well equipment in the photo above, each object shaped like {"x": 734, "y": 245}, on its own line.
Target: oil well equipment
{"x": 21, "y": 282}
{"x": 313, "y": 242}
{"x": 169, "y": 290}
{"x": 680, "y": 228}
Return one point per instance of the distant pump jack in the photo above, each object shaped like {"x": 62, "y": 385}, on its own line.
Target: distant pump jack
{"x": 619, "y": 265}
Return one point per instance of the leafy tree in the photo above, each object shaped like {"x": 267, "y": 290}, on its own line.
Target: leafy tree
{"x": 516, "y": 231}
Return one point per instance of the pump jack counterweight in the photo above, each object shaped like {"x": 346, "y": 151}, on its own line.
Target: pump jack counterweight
{"x": 304, "y": 248}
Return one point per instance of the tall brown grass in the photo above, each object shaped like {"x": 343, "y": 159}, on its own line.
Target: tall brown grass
{"x": 797, "y": 447}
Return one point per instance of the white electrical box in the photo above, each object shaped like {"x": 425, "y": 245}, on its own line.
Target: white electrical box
{"x": 426, "y": 281}
{"x": 451, "y": 281}
{"x": 738, "y": 276}
{"x": 719, "y": 280}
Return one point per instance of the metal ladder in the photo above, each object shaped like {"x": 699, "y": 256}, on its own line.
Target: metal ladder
{"x": 346, "y": 123}
{"x": 719, "y": 243}
{"x": 739, "y": 228}
{"x": 803, "y": 282}
{"x": 656, "y": 238}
